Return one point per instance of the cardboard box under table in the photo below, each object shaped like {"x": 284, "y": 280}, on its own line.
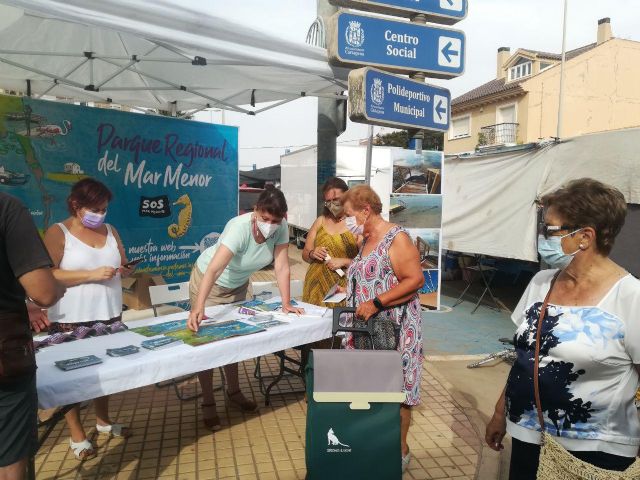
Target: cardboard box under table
{"x": 353, "y": 414}
{"x": 135, "y": 290}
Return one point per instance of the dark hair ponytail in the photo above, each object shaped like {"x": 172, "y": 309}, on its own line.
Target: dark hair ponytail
{"x": 272, "y": 201}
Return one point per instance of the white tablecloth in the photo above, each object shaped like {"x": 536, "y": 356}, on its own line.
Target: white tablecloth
{"x": 118, "y": 374}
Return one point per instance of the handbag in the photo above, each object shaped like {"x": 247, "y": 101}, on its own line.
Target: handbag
{"x": 17, "y": 354}
{"x": 384, "y": 335}
{"x": 555, "y": 462}
{"x": 374, "y": 334}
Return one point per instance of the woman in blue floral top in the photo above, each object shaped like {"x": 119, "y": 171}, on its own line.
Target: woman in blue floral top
{"x": 590, "y": 339}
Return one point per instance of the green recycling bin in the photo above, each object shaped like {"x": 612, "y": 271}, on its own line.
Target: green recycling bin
{"x": 353, "y": 415}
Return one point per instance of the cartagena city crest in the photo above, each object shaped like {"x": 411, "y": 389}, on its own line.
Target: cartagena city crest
{"x": 354, "y": 34}
{"x": 377, "y": 92}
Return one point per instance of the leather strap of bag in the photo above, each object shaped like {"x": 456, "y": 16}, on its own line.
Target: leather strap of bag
{"x": 536, "y": 365}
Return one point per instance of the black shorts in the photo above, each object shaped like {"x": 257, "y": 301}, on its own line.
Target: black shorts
{"x": 18, "y": 420}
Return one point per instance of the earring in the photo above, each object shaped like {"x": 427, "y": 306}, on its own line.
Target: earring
{"x": 582, "y": 247}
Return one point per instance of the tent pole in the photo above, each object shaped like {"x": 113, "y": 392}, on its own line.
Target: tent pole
{"x": 564, "y": 58}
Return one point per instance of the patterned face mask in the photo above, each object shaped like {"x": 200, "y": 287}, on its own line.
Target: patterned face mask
{"x": 335, "y": 207}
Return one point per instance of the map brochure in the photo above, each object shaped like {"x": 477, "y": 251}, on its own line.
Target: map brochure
{"x": 215, "y": 332}
{"x": 255, "y": 307}
{"x": 157, "y": 343}
{"x": 78, "y": 362}
{"x": 122, "y": 351}
{"x": 267, "y": 321}
{"x": 160, "y": 328}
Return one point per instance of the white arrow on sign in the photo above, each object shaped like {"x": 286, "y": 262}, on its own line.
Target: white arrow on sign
{"x": 440, "y": 109}
{"x": 449, "y": 52}
{"x": 455, "y": 5}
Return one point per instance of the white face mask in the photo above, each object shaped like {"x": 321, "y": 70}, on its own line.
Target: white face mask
{"x": 267, "y": 229}
{"x": 352, "y": 225}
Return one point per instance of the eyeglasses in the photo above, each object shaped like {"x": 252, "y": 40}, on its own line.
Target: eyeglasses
{"x": 552, "y": 230}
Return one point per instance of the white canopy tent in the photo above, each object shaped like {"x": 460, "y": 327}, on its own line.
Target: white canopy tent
{"x": 166, "y": 54}
{"x": 489, "y": 206}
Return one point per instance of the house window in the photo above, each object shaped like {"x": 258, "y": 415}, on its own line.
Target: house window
{"x": 460, "y": 127}
{"x": 520, "y": 71}
{"x": 545, "y": 65}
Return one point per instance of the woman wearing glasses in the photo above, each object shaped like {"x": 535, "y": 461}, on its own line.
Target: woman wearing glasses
{"x": 330, "y": 237}
{"x": 589, "y": 352}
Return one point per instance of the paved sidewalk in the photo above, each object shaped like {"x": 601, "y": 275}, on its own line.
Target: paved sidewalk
{"x": 170, "y": 441}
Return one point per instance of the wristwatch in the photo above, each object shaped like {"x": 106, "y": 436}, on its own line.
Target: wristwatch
{"x": 378, "y": 303}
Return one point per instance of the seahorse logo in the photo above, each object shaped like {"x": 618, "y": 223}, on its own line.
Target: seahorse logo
{"x": 177, "y": 230}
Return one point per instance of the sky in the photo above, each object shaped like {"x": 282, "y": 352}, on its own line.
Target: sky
{"x": 534, "y": 24}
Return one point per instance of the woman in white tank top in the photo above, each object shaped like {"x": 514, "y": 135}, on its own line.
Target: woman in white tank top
{"x": 88, "y": 256}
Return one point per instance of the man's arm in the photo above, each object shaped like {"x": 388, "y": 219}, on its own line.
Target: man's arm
{"x": 42, "y": 287}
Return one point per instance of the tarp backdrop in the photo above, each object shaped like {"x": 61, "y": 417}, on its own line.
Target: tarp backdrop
{"x": 491, "y": 207}
{"x": 175, "y": 182}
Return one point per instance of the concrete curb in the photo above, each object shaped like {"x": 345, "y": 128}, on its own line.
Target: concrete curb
{"x": 489, "y": 461}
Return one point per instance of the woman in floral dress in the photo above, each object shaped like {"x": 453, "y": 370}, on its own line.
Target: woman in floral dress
{"x": 383, "y": 281}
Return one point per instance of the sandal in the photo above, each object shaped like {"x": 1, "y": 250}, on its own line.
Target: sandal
{"x": 213, "y": 422}
{"x": 405, "y": 461}
{"x": 115, "y": 430}
{"x": 243, "y": 403}
{"x": 83, "y": 450}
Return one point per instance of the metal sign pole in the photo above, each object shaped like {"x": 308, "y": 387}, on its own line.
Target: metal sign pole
{"x": 367, "y": 172}
{"x": 564, "y": 58}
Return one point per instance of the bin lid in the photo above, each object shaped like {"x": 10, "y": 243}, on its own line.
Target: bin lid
{"x": 358, "y": 377}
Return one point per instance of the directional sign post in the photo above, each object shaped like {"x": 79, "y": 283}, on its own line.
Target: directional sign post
{"x": 380, "y": 98}
{"x": 446, "y": 12}
{"x": 398, "y": 46}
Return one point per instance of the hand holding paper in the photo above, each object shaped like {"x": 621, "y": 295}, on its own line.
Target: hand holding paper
{"x": 334, "y": 295}
{"x": 339, "y": 271}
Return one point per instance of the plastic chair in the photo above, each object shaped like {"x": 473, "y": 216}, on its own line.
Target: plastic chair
{"x": 264, "y": 291}
{"x": 170, "y": 293}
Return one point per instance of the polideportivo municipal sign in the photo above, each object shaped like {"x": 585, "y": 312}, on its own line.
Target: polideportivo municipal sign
{"x": 399, "y": 46}
{"x": 446, "y": 12}
{"x": 380, "y": 98}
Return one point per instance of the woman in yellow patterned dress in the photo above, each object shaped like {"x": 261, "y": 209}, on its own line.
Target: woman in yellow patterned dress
{"x": 328, "y": 236}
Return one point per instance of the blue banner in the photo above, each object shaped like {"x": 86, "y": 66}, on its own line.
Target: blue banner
{"x": 447, "y": 12}
{"x": 401, "y": 102}
{"x": 174, "y": 182}
{"x": 398, "y": 46}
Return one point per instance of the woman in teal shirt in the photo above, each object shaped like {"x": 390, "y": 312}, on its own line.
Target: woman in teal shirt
{"x": 221, "y": 274}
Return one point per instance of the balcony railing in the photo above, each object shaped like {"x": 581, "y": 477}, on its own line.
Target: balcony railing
{"x": 499, "y": 134}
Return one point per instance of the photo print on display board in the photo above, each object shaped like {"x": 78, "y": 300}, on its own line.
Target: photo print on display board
{"x": 416, "y": 211}
{"x": 430, "y": 291}
{"x": 427, "y": 241}
{"x": 417, "y": 173}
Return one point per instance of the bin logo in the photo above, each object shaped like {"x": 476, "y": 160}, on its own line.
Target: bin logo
{"x": 333, "y": 441}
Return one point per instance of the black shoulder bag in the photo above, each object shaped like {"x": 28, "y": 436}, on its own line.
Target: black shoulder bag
{"x": 375, "y": 334}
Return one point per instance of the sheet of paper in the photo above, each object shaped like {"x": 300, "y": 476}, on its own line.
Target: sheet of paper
{"x": 334, "y": 296}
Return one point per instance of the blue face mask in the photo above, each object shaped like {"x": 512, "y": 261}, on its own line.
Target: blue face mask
{"x": 551, "y": 252}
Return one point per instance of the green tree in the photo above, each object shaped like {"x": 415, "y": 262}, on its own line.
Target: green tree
{"x": 400, "y": 138}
